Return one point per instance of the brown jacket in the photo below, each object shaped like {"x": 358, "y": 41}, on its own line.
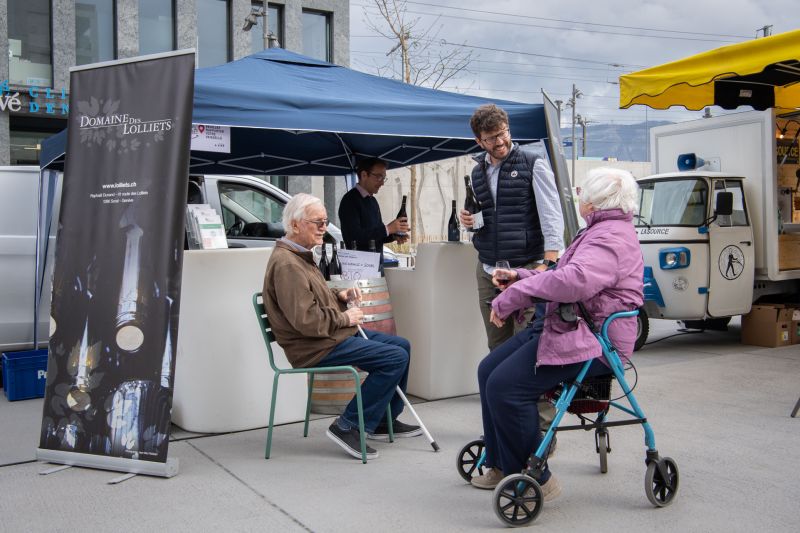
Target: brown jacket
{"x": 306, "y": 316}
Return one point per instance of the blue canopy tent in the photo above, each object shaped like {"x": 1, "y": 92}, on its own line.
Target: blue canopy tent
{"x": 293, "y": 115}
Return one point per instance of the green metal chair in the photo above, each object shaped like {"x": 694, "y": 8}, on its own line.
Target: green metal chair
{"x": 269, "y": 338}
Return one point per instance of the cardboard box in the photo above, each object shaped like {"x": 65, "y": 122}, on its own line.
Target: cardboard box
{"x": 789, "y": 251}
{"x": 768, "y": 325}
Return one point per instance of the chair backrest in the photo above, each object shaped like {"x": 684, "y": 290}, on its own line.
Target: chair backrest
{"x": 266, "y": 329}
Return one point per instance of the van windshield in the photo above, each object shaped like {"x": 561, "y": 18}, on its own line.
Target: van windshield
{"x": 674, "y": 202}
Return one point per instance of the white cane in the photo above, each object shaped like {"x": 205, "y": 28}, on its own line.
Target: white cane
{"x": 408, "y": 406}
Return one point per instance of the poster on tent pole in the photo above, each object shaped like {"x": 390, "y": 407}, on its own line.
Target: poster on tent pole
{"x": 117, "y": 273}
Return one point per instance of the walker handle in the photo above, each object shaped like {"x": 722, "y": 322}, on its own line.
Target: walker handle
{"x": 621, "y": 314}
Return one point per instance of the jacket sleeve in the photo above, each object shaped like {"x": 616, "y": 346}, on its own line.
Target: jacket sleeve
{"x": 302, "y": 307}
{"x": 352, "y": 228}
{"x": 592, "y": 268}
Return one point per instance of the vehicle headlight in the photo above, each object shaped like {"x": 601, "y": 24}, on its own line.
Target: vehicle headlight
{"x": 671, "y": 258}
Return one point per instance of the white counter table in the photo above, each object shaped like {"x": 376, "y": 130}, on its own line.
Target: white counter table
{"x": 435, "y": 307}
{"x": 223, "y": 381}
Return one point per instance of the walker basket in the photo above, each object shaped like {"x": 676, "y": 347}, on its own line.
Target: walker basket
{"x": 592, "y": 397}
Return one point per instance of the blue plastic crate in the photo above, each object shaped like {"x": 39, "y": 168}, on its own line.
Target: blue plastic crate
{"x": 24, "y": 374}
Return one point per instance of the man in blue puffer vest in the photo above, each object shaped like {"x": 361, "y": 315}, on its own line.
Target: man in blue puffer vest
{"x": 522, "y": 219}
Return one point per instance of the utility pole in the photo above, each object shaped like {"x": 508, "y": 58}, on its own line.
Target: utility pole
{"x": 571, "y": 103}
{"x": 583, "y": 121}
{"x": 766, "y": 30}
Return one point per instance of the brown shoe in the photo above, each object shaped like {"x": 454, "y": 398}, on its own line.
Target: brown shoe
{"x": 489, "y": 480}
{"x": 552, "y": 489}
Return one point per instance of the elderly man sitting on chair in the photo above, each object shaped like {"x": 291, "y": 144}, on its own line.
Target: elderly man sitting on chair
{"x": 315, "y": 328}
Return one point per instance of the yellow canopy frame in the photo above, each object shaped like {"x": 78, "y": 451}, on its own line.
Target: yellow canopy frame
{"x": 763, "y": 73}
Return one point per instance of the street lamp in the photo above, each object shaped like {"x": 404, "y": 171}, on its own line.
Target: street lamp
{"x": 270, "y": 41}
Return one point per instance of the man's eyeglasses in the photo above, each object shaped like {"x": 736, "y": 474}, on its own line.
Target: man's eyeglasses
{"x": 318, "y": 223}
{"x": 380, "y": 177}
{"x": 494, "y": 139}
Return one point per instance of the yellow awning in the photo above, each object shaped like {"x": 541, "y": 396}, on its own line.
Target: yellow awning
{"x": 762, "y": 73}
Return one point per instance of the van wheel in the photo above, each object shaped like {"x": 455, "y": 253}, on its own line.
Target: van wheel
{"x": 642, "y": 329}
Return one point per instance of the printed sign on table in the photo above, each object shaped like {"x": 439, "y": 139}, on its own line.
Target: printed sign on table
{"x": 359, "y": 265}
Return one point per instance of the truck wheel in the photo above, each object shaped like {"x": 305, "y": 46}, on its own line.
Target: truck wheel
{"x": 642, "y": 329}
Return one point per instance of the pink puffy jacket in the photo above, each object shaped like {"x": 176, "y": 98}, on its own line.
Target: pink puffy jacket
{"x": 602, "y": 268}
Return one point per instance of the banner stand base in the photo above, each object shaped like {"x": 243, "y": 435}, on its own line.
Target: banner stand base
{"x": 102, "y": 462}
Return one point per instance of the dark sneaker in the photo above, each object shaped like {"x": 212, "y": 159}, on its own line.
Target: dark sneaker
{"x": 349, "y": 441}
{"x": 400, "y": 429}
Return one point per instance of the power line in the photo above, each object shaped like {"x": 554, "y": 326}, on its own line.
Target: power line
{"x": 559, "y": 28}
{"x": 464, "y": 45}
{"x": 517, "y": 63}
{"x": 517, "y": 15}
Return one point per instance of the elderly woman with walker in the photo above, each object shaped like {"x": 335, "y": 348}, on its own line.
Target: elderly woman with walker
{"x": 598, "y": 280}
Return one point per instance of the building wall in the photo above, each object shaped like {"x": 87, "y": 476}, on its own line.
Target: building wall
{"x": 63, "y": 53}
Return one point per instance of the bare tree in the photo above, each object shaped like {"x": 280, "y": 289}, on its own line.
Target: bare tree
{"x": 424, "y": 60}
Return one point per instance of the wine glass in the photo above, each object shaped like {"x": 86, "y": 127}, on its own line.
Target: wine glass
{"x": 352, "y": 298}
{"x": 500, "y": 273}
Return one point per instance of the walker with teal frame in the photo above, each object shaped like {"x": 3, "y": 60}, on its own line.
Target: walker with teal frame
{"x": 518, "y": 498}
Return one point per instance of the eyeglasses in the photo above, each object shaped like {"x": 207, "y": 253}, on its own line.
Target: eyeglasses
{"x": 495, "y": 138}
{"x": 318, "y": 223}
{"x": 380, "y": 177}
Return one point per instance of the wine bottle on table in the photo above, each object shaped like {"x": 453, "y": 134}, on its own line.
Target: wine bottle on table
{"x": 324, "y": 265}
{"x": 452, "y": 226}
{"x": 335, "y": 267}
{"x": 472, "y": 205}
{"x": 374, "y": 250}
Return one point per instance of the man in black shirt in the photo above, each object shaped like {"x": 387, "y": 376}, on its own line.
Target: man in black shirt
{"x": 360, "y": 215}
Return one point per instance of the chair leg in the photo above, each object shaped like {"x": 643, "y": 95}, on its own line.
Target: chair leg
{"x": 271, "y": 414}
{"x": 389, "y": 423}
{"x": 796, "y": 408}
{"x": 361, "y": 434}
{"x": 308, "y": 403}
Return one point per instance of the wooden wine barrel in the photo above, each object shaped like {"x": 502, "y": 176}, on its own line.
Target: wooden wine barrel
{"x": 333, "y": 390}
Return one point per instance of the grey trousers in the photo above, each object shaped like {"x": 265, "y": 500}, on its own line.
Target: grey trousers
{"x": 497, "y": 336}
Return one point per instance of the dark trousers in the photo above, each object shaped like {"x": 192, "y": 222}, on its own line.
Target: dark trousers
{"x": 510, "y": 387}
{"x": 386, "y": 359}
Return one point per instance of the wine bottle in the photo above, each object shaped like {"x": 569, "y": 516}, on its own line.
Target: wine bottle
{"x": 452, "y": 226}
{"x": 472, "y": 205}
{"x": 354, "y": 245}
{"x": 324, "y": 265}
{"x": 402, "y": 213}
{"x": 335, "y": 268}
{"x": 375, "y": 251}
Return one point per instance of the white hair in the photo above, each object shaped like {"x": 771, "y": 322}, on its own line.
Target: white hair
{"x": 610, "y": 188}
{"x": 295, "y": 210}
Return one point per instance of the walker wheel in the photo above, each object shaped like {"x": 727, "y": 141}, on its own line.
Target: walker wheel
{"x": 661, "y": 481}
{"x": 601, "y": 444}
{"x": 518, "y": 500}
{"x": 468, "y": 458}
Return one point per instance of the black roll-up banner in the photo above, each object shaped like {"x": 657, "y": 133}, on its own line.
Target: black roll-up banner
{"x": 119, "y": 252}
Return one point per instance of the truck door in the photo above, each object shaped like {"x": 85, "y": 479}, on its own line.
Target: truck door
{"x": 731, "y": 256}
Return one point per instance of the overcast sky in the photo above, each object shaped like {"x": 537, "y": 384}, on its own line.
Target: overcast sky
{"x": 548, "y": 44}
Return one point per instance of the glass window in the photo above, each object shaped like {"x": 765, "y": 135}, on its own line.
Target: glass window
{"x": 29, "y": 59}
{"x": 213, "y": 32}
{"x": 739, "y": 215}
{"x": 25, "y": 146}
{"x": 317, "y": 35}
{"x": 249, "y": 212}
{"x": 275, "y": 26}
{"x": 94, "y": 31}
{"x": 156, "y": 26}
{"x": 672, "y": 203}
